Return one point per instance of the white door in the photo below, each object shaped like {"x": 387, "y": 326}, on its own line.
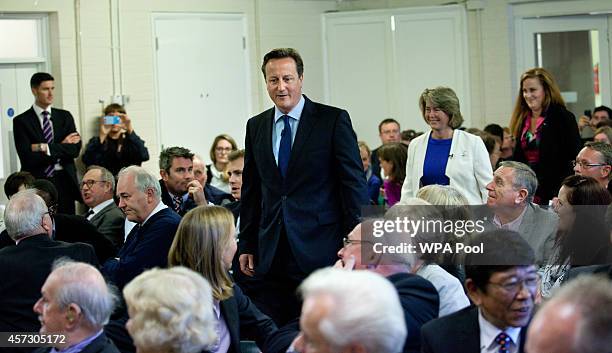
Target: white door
{"x": 575, "y": 50}
{"x": 15, "y": 98}
{"x": 203, "y": 80}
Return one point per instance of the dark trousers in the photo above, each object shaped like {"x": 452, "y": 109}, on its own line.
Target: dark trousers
{"x": 275, "y": 292}
{"x": 67, "y": 192}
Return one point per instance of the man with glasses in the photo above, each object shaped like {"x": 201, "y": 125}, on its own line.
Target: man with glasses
{"x": 25, "y": 266}
{"x": 510, "y": 198}
{"x": 595, "y": 161}
{"x": 502, "y": 283}
{"x": 97, "y": 189}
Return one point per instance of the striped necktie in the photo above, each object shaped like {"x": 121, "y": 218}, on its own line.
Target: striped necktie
{"x": 48, "y": 136}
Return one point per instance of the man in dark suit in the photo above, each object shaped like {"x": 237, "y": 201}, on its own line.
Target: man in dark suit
{"x": 235, "y": 168}
{"x": 303, "y": 186}
{"x": 97, "y": 190}
{"x": 148, "y": 243}
{"x": 47, "y": 142}
{"x": 388, "y": 131}
{"x": 25, "y": 266}
{"x": 501, "y": 282}
{"x": 180, "y": 190}
{"x": 76, "y": 302}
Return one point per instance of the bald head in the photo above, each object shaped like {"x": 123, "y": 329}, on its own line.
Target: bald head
{"x": 552, "y": 330}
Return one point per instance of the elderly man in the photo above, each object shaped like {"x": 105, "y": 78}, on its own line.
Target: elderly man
{"x": 576, "y": 320}
{"x": 501, "y": 282}
{"x": 97, "y": 190}
{"x": 595, "y": 161}
{"x": 148, "y": 243}
{"x": 25, "y": 266}
{"x": 76, "y": 303}
{"x": 301, "y": 199}
{"x": 510, "y": 198}
{"x": 333, "y": 296}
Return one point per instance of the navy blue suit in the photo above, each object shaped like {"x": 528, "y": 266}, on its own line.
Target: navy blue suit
{"x": 146, "y": 247}
{"x": 317, "y": 203}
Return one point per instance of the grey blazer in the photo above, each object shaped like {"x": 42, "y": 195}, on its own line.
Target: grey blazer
{"x": 109, "y": 222}
{"x": 538, "y": 228}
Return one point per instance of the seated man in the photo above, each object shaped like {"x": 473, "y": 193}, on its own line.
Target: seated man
{"x": 148, "y": 243}
{"x": 72, "y": 228}
{"x": 25, "y": 266}
{"x": 575, "y": 320}
{"x": 13, "y": 184}
{"x": 501, "y": 282}
{"x": 368, "y": 300}
{"x": 180, "y": 190}
{"x": 97, "y": 190}
{"x": 510, "y": 198}
{"x": 595, "y": 161}
{"x": 75, "y": 302}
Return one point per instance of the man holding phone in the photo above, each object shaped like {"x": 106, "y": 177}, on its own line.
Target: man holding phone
{"x": 179, "y": 188}
{"x": 47, "y": 142}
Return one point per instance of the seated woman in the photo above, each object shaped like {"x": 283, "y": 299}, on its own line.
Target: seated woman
{"x": 116, "y": 145}
{"x": 603, "y": 134}
{"x": 216, "y": 172}
{"x": 447, "y": 155}
{"x": 205, "y": 242}
{"x": 170, "y": 311}
{"x": 392, "y": 158}
{"x": 582, "y": 237}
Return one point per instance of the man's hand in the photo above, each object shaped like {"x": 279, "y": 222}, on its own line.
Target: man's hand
{"x": 246, "y": 264}
{"x": 346, "y": 264}
{"x": 39, "y": 147}
{"x": 196, "y": 192}
{"x": 72, "y": 138}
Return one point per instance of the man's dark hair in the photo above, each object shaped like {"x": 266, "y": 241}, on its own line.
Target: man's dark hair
{"x": 167, "y": 156}
{"x": 39, "y": 78}
{"x": 387, "y": 121}
{"x": 48, "y": 192}
{"x": 234, "y": 155}
{"x": 280, "y": 53}
{"x": 503, "y": 250}
{"x": 603, "y": 108}
{"x": 15, "y": 181}
{"x": 495, "y": 130}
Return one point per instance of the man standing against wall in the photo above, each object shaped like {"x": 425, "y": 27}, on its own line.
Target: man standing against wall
{"x": 303, "y": 186}
{"x": 47, "y": 142}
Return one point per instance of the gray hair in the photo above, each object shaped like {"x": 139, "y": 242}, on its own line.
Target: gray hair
{"x": 172, "y": 310}
{"x": 593, "y": 333}
{"x": 366, "y": 309}
{"x": 604, "y": 148}
{"x": 83, "y": 285}
{"x": 23, "y": 214}
{"x": 524, "y": 177}
{"x": 105, "y": 174}
{"x": 443, "y": 195}
{"x": 143, "y": 179}
{"x": 445, "y": 99}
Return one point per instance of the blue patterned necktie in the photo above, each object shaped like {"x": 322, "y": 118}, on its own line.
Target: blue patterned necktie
{"x": 503, "y": 340}
{"x": 284, "y": 151}
{"x": 48, "y": 136}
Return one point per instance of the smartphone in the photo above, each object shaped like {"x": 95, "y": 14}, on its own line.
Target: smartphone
{"x": 587, "y": 113}
{"x": 112, "y": 120}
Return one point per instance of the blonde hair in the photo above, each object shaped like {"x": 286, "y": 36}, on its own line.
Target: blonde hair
{"x": 170, "y": 310}
{"x": 200, "y": 241}
{"x": 552, "y": 96}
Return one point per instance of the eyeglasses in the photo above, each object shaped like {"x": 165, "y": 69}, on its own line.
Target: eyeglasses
{"x": 514, "y": 286}
{"x": 586, "y": 165}
{"x": 347, "y": 241}
{"x": 90, "y": 183}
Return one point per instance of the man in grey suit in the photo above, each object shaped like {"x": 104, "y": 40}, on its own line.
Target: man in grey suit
{"x": 510, "y": 197}
{"x": 97, "y": 189}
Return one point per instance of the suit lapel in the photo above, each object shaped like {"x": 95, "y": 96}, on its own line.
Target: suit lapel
{"x": 35, "y": 124}
{"x": 469, "y": 333}
{"x": 303, "y": 132}
{"x": 266, "y": 143}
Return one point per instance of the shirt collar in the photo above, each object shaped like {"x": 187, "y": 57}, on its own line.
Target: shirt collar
{"x": 295, "y": 113}
{"x": 160, "y": 206}
{"x": 488, "y": 332}
{"x": 79, "y": 346}
{"x": 101, "y": 205}
{"x": 512, "y": 225}
{"x": 38, "y": 110}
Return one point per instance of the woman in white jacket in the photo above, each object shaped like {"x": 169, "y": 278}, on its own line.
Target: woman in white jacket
{"x": 445, "y": 155}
